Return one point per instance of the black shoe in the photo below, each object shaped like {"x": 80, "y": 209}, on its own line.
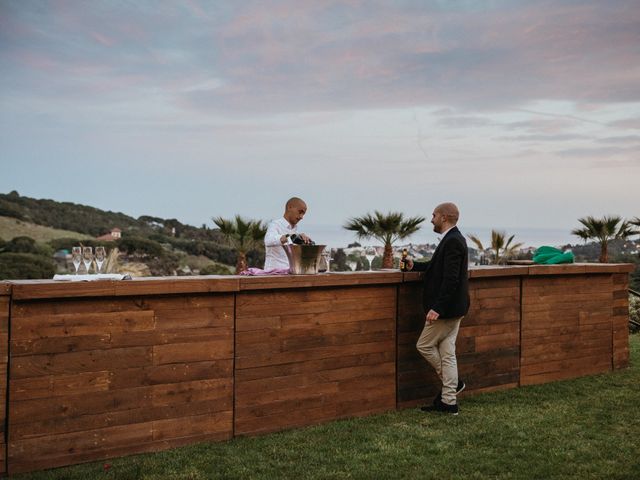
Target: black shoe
{"x": 441, "y": 408}
{"x": 461, "y": 386}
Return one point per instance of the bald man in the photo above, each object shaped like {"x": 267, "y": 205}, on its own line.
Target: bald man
{"x": 279, "y": 232}
{"x": 446, "y": 302}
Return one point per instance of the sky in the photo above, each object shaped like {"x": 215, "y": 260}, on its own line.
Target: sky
{"x": 526, "y": 114}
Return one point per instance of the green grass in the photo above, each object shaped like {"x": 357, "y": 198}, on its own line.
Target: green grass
{"x": 583, "y": 428}
{"x": 12, "y": 227}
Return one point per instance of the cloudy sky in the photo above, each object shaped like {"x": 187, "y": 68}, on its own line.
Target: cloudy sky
{"x": 525, "y": 113}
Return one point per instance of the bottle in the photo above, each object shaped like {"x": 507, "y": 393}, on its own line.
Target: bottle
{"x": 298, "y": 240}
{"x": 403, "y": 261}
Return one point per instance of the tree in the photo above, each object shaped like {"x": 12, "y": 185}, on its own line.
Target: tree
{"x": 21, "y": 244}
{"x": 243, "y": 235}
{"x": 387, "y": 228}
{"x": 603, "y": 230}
{"x": 15, "y": 266}
{"x": 635, "y": 221}
{"x": 501, "y": 247}
{"x": 339, "y": 262}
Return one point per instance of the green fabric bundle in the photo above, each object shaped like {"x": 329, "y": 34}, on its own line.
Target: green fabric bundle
{"x": 551, "y": 256}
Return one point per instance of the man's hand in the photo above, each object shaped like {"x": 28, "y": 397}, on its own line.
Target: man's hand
{"x": 305, "y": 237}
{"x": 409, "y": 264}
{"x": 432, "y": 316}
{"x": 284, "y": 239}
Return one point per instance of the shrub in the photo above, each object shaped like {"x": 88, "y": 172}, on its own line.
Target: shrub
{"x": 634, "y": 313}
{"x": 7, "y": 209}
{"x": 25, "y": 244}
{"x": 215, "y": 269}
{"x": 15, "y": 266}
{"x": 140, "y": 246}
{"x": 21, "y": 245}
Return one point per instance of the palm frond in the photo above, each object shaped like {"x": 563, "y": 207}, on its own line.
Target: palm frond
{"x": 384, "y": 227}
{"x": 501, "y": 246}
{"x": 476, "y": 240}
{"x": 242, "y": 234}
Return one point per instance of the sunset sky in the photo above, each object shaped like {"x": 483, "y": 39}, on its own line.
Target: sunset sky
{"x": 526, "y": 114}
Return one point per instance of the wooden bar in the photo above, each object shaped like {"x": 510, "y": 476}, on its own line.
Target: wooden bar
{"x": 487, "y": 347}
{"x": 323, "y": 354}
{"x": 96, "y": 370}
{"x": 126, "y": 376}
{"x": 5, "y": 305}
{"x": 584, "y": 344}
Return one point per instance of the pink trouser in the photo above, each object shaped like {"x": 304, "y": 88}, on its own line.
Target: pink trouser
{"x": 437, "y": 344}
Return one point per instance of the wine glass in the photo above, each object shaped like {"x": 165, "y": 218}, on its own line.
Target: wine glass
{"x": 76, "y": 257}
{"x": 370, "y": 253}
{"x": 100, "y": 258}
{"x": 352, "y": 265}
{"x": 87, "y": 257}
{"x": 327, "y": 257}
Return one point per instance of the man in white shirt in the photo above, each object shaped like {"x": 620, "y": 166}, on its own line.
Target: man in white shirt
{"x": 279, "y": 231}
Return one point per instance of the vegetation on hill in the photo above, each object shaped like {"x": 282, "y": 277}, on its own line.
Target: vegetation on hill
{"x": 165, "y": 246}
{"x": 12, "y": 227}
{"x": 22, "y": 257}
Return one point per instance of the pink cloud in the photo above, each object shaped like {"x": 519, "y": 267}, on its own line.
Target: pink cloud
{"x": 102, "y": 39}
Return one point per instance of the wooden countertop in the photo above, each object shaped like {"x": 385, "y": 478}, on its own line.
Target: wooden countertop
{"x": 35, "y": 289}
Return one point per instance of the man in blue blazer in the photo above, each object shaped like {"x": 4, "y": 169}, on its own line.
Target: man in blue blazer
{"x": 446, "y": 302}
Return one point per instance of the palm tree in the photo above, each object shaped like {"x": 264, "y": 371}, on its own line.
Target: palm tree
{"x": 603, "y": 230}
{"x": 243, "y": 235}
{"x": 386, "y": 228}
{"x": 501, "y": 249}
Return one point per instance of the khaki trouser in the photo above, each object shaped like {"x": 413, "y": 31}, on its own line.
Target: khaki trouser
{"x": 437, "y": 344}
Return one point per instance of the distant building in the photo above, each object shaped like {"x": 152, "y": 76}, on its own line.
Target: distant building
{"x": 115, "y": 234}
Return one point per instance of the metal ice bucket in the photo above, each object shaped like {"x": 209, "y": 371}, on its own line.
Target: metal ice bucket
{"x": 303, "y": 259}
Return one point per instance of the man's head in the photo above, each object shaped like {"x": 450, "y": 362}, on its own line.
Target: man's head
{"x": 294, "y": 210}
{"x": 444, "y": 217}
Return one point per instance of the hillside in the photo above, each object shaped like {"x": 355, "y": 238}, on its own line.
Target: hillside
{"x": 65, "y": 215}
{"x": 12, "y": 227}
{"x": 94, "y": 222}
{"x": 153, "y": 245}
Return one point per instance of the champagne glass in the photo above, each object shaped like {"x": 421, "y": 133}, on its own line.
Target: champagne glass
{"x": 370, "y": 253}
{"x": 327, "y": 257}
{"x": 100, "y": 258}
{"x": 87, "y": 257}
{"x": 76, "y": 257}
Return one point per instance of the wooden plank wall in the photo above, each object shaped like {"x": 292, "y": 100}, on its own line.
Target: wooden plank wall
{"x": 487, "y": 347}
{"x": 4, "y": 359}
{"x": 620, "y": 320}
{"x": 93, "y": 378}
{"x": 489, "y": 338}
{"x": 104, "y": 377}
{"x": 416, "y": 380}
{"x": 307, "y": 356}
{"x": 566, "y": 326}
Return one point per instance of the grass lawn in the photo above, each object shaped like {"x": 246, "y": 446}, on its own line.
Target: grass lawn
{"x": 588, "y": 428}
{"x": 12, "y": 227}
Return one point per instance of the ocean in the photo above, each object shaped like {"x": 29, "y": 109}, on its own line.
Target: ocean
{"x": 337, "y": 237}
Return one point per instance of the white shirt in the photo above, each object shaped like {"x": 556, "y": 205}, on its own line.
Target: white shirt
{"x": 275, "y": 256}
{"x": 444, "y": 234}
